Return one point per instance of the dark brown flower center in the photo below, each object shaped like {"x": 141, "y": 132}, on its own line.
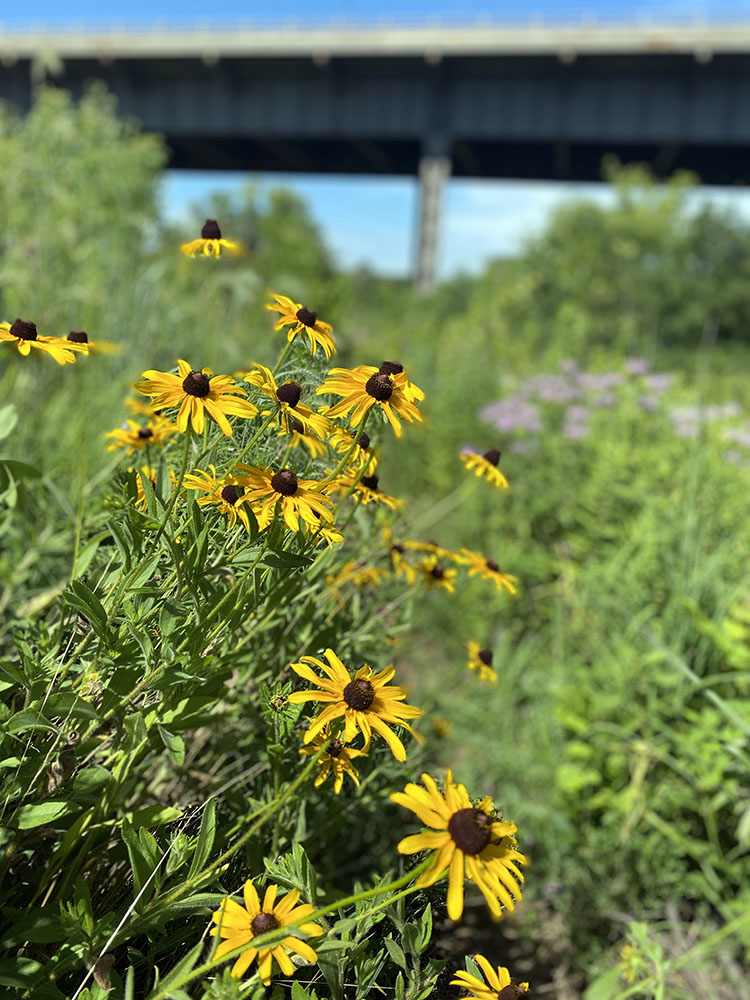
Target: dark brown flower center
{"x": 511, "y": 992}
{"x": 231, "y": 493}
{"x": 363, "y": 440}
{"x": 211, "y": 230}
{"x": 379, "y": 386}
{"x": 438, "y": 572}
{"x": 359, "y": 694}
{"x": 263, "y": 923}
{"x": 485, "y": 655}
{"x": 284, "y": 482}
{"x": 308, "y": 317}
{"x": 492, "y": 456}
{"x": 298, "y": 427}
{"x": 23, "y": 330}
{"x": 78, "y": 337}
{"x": 289, "y": 393}
{"x": 144, "y": 433}
{"x": 335, "y": 747}
{"x": 491, "y": 564}
{"x": 397, "y": 548}
{"x": 470, "y": 830}
{"x": 371, "y": 482}
{"x": 197, "y": 384}
{"x": 391, "y": 368}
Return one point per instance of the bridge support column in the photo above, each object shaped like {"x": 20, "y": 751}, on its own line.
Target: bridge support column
{"x": 434, "y": 171}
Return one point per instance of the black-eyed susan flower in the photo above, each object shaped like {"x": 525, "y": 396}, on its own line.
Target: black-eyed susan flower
{"x": 239, "y": 925}
{"x": 485, "y": 466}
{"x": 355, "y": 574}
{"x": 441, "y": 727}
{"x": 101, "y": 346}
{"x": 430, "y": 548}
{"x": 287, "y": 396}
{"x": 366, "y": 490}
{"x": 300, "y": 435}
{"x": 481, "y": 660}
{"x": 395, "y": 368}
{"x": 148, "y": 473}
{"x": 296, "y": 498}
{"x": 365, "y": 701}
{"x": 224, "y": 493}
{"x": 364, "y": 387}
{"x": 496, "y": 985}
{"x": 341, "y": 440}
{"x": 470, "y": 842}
{"x": 210, "y": 243}
{"x": 300, "y": 319}
{"x": 435, "y": 575}
{"x": 487, "y": 569}
{"x": 135, "y": 436}
{"x": 397, "y": 551}
{"x": 337, "y": 758}
{"x": 196, "y": 393}
{"x": 25, "y": 335}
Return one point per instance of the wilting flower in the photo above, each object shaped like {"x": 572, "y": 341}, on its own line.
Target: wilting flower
{"x": 481, "y": 660}
{"x": 497, "y": 984}
{"x": 470, "y": 843}
{"x": 197, "y": 393}
{"x": 296, "y": 498}
{"x": 366, "y": 386}
{"x": 287, "y": 397}
{"x": 487, "y": 569}
{"x": 210, "y": 242}
{"x": 365, "y": 701}
{"x": 300, "y": 319}
{"x": 239, "y": 925}
{"x": 337, "y": 757}
{"x": 136, "y": 436}
{"x": 24, "y": 335}
{"x": 435, "y": 575}
{"x": 225, "y": 494}
{"x": 485, "y": 466}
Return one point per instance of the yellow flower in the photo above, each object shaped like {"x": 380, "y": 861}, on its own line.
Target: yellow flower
{"x": 498, "y": 985}
{"x": 431, "y": 548}
{"x": 337, "y": 758}
{"x": 136, "y": 437}
{"x": 341, "y": 440}
{"x": 365, "y": 386}
{"x": 470, "y": 843}
{"x": 145, "y": 472}
{"x": 299, "y": 435}
{"x": 197, "y": 393}
{"x": 357, "y": 575}
{"x": 367, "y": 490}
{"x": 401, "y": 566}
{"x": 487, "y": 569}
{"x": 239, "y": 925}
{"x": 287, "y": 397}
{"x": 81, "y": 337}
{"x": 481, "y": 660}
{"x": 24, "y": 335}
{"x": 300, "y": 319}
{"x": 297, "y": 498}
{"x": 434, "y": 574}
{"x": 210, "y": 242}
{"x": 225, "y": 494}
{"x": 441, "y": 727}
{"x": 486, "y": 466}
{"x": 365, "y": 702}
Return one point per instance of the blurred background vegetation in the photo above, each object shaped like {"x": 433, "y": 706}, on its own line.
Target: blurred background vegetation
{"x": 609, "y": 363}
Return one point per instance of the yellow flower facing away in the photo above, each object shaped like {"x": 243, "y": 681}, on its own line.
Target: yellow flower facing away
{"x": 431, "y": 548}
{"x": 211, "y": 242}
{"x": 25, "y": 335}
{"x": 481, "y": 660}
{"x": 300, "y": 319}
{"x": 487, "y": 569}
{"x": 239, "y": 925}
{"x": 357, "y": 575}
{"x": 485, "y": 466}
{"x": 367, "y": 490}
{"x": 469, "y": 842}
{"x": 401, "y": 565}
{"x": 145, "y": 472}
{"x": 496, "y": 985}
{"x": 100, "y": 346}
{"x": 365, "y": 386}
{"x": 287, "y": 396}
{"x": 197, "y": 393}
{"x": 224, "y": 493}
{"x": 297, "y": 499}
{"x": 134, "y": 436}
{"x": 337, "y": 758}
{"x": 435, "y": 575}
{"x": 365, "y": 701}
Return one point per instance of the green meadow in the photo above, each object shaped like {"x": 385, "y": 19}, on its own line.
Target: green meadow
{"x": 608, "y": 363}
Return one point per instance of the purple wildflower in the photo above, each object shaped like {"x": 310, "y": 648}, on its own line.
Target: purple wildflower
{"x": 659, "y": 383}
{"x": 637, "y": 366}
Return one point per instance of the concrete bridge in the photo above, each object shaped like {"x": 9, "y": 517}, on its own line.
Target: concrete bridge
{"x": 485, "y": 100}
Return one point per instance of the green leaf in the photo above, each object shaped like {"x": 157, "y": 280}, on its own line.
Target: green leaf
{"x": 180, "y": 971}
{"x": 79, "y": 596}
{"x": 206, "y": 836}
{"x": 29, "y": 817}
{"x": 396, "y": 953}
{"x": 138, "y": 861}
{"x": 8, "y": 420}
{"x": 154, "y": 816}
{"x": 27, "y": 718}
{"x": 175, "y": 745}
{"x": 66, "y": 705}
{"x": 19, "y": 470}
{"x": 605, "y": 986}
